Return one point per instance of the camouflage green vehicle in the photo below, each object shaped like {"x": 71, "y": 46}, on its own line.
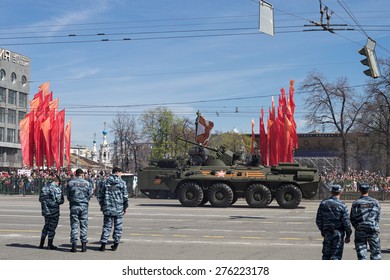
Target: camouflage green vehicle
{"x": 148, "y": 179}
{"x": 151, "y": 185}
{"x": 216, "y": 179}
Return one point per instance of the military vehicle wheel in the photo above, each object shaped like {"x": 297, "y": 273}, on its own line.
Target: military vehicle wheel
{"x": 204, "y": 200}
{"x": 190, "y": 194}
{"x": 288, "y": 196}
{"x": 220, "y": 195}
{"x": 258, "y": 196}
{"x": 235, "y": 198}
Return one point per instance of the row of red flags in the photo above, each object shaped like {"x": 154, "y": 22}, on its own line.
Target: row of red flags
{"x": 42, "y": 133}
{"x": 278, "y": 142}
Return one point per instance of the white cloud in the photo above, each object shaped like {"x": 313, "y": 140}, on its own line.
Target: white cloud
{"x": 88, "y": 10}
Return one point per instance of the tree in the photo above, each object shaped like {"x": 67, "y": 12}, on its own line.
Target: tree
{"x": 118, "y": 128}
{"x": 157, "y": 126}
{"x": 334, "y": 106}
{"x": 127, "y": 141}
{"x": 184, "y": 129}
{"x": 233, "y": 141}
{"x": 375, "y": 118}
{"x": 134, "y": 142}
{"x": 164, "y": 131}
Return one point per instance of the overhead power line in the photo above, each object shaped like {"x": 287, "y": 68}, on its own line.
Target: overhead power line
{"x": 92, "y": 106}
{"x": 129, "y": 21}
{"x": 74, "y": 35}
{"x": 349, "y": 12}
{"x": 73, "y": 38}
{"x": 147, "y": 38}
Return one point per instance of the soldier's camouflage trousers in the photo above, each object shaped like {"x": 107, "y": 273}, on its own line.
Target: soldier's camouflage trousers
{"x": 49, "y": 229}
{"x": 362, "y": 239}
{"x": 107, "y": 225}
{"x": 333, "y": 245}
{"x": 78, "y": 215}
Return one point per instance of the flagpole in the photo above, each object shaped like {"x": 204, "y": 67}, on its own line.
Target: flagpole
{"x": 196, "y": 125}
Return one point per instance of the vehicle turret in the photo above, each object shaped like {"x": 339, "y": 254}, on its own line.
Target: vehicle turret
{"x": 205, "y": 156}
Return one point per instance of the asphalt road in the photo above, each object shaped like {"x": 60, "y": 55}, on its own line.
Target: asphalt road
{"x": 164, "y": 230}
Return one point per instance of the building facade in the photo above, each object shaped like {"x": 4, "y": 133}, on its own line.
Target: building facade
{"x": 14, "y": 96}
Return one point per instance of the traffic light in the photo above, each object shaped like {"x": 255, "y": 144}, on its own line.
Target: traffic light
{"x": 369, "y": 52}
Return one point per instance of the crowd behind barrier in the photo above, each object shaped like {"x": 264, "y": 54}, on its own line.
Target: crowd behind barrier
{"x": 379, "y": 184}
{"x": 21, "y": 184}
{"x": 349, "y": 180}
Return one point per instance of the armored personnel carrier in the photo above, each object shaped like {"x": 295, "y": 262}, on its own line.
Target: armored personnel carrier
{"x": 152, "y": 187}
{"x": 214, "y": 178}
{"x": 149, "y": 183}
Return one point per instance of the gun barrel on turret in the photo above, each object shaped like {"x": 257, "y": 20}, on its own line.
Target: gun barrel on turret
{"x": 220, "y": 156}
{"x": 199, "y": 145}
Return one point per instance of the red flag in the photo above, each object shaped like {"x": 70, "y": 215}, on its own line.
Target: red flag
{"x": 53, "y": 104}
{"x": 288, "y": 153}
{"x": 45, "y": 126}
{"x": 31, "y": 138}
{"x": 49, "y": 97}
{"x": 44, "y": 107}
{"x": 272, "y": 111}
{"x": 39, "y": 96}
{"x": 25, "y": 139}
{"x": 273, "y": 142}
{"x": 283, "y": 101}
{"x": 45, "y": 88}
{"x": 263, "y": 141}
{"x": 34, "y": 104}
{"x": 54, "y": 145}
{"x": 294, "y": 135}
{"x": 291, "y": 99}
{"x": 203, "y": 130}
{"x": 279, "y": 133}
{"x": 67, "y": 141}
{"x": 253, "y": 137}
{"x": 38, "y": 141}
{"x": 61, "y": 123}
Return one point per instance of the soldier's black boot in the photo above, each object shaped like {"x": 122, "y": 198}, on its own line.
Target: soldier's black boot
{"x": 42, "y": 242}
{"x": 102, "y": 247}
{"x": 83, "y": 247}
{"x": 51, "y": 246}
{"x": 115, "y": 246}
{"x": 74, "y": 249}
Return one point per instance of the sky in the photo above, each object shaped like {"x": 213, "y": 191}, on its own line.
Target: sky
{"x": 102, "y": 57}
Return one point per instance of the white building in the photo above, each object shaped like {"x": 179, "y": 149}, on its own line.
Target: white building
{"x": 14, "y": 96}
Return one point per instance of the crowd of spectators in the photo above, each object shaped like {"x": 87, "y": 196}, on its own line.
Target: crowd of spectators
{"x": 350, "y": 179}
{"x": 14, "y": 183}
{"x": 31, "y": 183}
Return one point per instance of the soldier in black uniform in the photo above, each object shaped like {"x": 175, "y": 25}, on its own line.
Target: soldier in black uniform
{"x": 365, "y": 217}
{"x": 113, "y": 200}
{"x": 79, "y": 191}
{"x": 51, "y": 197}
{"x": 334, "y": 223}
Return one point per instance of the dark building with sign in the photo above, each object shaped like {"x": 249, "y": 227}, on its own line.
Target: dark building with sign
{"x": 14, "y": 96}
{"x": 321, "y": 150}
{"x": 324, "y": 151}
